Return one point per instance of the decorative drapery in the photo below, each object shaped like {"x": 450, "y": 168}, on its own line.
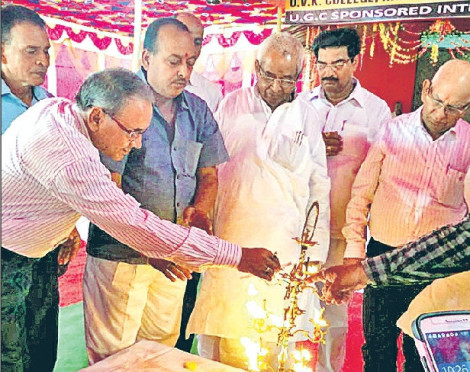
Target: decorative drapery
{"x": 227, "y": 56}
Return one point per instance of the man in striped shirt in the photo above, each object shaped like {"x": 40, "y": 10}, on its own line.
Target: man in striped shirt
{"x": 25, "y": 59}
{"x": 411, "y": 182}
{"x": 52, "y": 174}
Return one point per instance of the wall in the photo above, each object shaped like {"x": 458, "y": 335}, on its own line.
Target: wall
{"x": 391, "y": 83}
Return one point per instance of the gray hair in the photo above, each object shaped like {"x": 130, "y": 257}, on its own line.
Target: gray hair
{"x": 110, "y": 89}
{"x": 284, "y": 43}
{"x": 16, "y": 14}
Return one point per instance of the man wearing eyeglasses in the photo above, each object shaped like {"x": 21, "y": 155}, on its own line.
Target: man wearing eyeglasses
{"x": 413, "y": 181}
{"x": 277, "y": 169}
{"x": 52, "y": 174}
{"x": 350, "y": 117}
{"x": 198, "y": 84}
{"x": 174, "y": 176}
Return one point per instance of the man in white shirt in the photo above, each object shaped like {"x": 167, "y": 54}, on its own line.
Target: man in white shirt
{"x": 411, "y": 183}
{"x": 277, "y": 169}
{"x": 350, "y": 117}
{"x": 198, "y": 84}
{"x": 52, "y": 173}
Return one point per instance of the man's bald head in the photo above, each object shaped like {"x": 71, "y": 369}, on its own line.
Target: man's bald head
{"x": 446, "y": 98}
{"x": 456, "y": 75}
{"x": 195, "y": 27}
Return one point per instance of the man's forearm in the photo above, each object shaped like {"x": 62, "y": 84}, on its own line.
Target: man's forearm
{"x": 441, "y": 253}
{"x": 206, "y": 191}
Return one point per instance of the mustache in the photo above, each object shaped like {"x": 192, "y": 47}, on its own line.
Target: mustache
{"x": 329, "y": 78}
{"x": 181, "y": 81}
{"x": 41, "y": 71}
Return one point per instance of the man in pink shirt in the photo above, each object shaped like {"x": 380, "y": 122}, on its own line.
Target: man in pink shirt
{"x": 52, "y": 174}
{"x": 412, "y": 182}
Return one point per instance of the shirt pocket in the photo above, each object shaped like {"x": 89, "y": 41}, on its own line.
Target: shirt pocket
{"x": 450, "y": 189}
{"x": 288, "y": 152}
{"x": 355, "y": 144}
{"x": 185, "y": 156}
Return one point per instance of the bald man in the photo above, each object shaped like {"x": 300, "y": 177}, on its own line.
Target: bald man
{"x": 198, "y": 84}
{"x": 412, "y": 182}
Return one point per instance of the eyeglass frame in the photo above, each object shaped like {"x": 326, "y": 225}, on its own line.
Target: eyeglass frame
{"x": 437, "y": 103}
{"x": 335, "y": 66}
{"x": 133, "y": 134}
{"x": 271, "y": 80}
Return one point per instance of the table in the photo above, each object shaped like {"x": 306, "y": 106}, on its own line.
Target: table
{"x": 152, "y": 356}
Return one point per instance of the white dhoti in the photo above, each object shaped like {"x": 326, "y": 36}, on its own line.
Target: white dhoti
{"x": 125, "y": 303}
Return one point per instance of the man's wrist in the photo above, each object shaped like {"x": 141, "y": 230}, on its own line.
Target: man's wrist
{"x": 351, "y": 260}
{"x": 201, "y": 209}
{"x": 368, "y": 271}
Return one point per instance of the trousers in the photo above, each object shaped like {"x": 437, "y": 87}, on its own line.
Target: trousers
{"x": 30, "y": 310}
{"x": 382, "y": 306}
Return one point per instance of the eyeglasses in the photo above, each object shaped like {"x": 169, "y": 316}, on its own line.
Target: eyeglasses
{"x": 131, "y": 133}
{"x": 448, "y": 109}
{"x": 335, "y": 66}
{"x": 284, "y": 83}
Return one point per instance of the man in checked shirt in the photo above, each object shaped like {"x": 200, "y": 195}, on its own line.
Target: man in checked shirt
{"x": 436, "y": 255}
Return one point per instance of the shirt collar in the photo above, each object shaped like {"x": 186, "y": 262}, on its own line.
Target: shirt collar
{"x": 418, "y": 123}
{"x": 358, "y": 94}
{"x": 38, "y": 92}
{"x": 5, "y": 88}
{"x": 81, "y": 120}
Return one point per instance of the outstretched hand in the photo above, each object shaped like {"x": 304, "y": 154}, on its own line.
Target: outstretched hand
{"x": 259, "y": 262}
{"x": 341, "y": 282}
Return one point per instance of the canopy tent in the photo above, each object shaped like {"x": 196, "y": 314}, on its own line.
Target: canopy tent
{"x": 117, "y": 16}
{"x": 89, "y": 35}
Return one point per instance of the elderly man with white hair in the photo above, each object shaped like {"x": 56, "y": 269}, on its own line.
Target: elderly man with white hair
{"x": 277, "y": 170}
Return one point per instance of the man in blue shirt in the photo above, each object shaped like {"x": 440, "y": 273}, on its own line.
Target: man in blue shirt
{"x": 128, "y": 297}
{"x": 25, "y": 59}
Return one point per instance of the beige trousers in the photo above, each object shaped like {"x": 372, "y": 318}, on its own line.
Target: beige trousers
{"x": 126, "y": 303}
